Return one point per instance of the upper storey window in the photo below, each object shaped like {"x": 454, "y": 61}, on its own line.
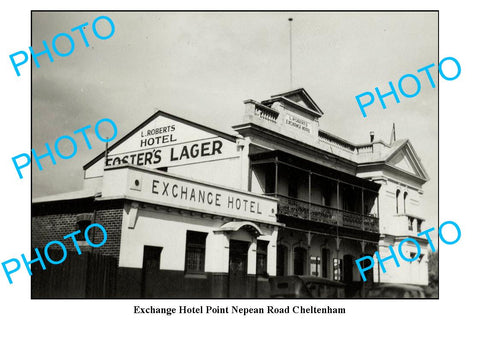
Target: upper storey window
{"x": 397, "y": 197}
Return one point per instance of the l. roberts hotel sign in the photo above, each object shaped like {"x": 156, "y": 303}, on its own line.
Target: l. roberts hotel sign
{"x": 165, "y": 189}
{"x": 166, "y": 141}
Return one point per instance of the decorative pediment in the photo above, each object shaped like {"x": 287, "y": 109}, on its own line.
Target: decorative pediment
{"x": 402, "y": 161}
{"x": 299, "y": 99}
{"x": 406, "y": 159}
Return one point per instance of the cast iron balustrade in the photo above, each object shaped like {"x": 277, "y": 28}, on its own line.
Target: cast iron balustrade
{"x": 294, "y": 207}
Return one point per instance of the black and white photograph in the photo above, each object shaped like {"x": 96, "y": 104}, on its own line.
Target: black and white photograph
{"x": 226, "y": 156}
{"x": 217, "y": 169}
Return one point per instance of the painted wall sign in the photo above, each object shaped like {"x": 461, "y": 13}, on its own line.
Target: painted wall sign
{"x": 172, "y": 190}
{"x": 298, "y": 123}
{"x": 166, "y": 142}
{"x": 172, "y": 155}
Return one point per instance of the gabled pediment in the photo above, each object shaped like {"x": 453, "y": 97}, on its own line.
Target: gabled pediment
{"x": 299, "y": 98}
{"x": 406, "y": 159}
{"x": 402, "y": 161}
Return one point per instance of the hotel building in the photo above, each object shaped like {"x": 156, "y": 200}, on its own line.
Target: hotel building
{"x": 195, "y": 212}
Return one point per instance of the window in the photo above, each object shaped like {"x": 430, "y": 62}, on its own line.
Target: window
{"x": 82, "y": 226}
{"x": 151, "y": 258}
{"x": 397, "y": 197}
{"x": 292, "y": 186}
{"x": 327, "y": 198}
{"x": 405, "y": 194}
{"x": 270, "y": 179}
{"x": 338, "y": 269}
{"x": 262, "y": 247}
{"x": 419, "y": 226}
{"x": 349, "y": 197}
{"x": 195, "y": 252}
{"x": 83, "y": 221}
{"x": 325, "y": 261}
{"x": 410, "y": 224}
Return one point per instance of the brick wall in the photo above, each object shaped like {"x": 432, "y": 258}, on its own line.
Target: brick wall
{"x": 53, "y": 227}
{"x": 52, "y": 221}
{"x": 111, "y": 220}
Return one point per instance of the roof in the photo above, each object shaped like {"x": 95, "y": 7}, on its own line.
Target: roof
{"x": 86, "y": 193}
{"x": 303, "y": 94}
{"x": 391, "y": 155}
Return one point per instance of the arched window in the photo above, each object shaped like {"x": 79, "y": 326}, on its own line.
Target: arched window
{"x": 405, "y": 194}
{"x": 397, "y": 197}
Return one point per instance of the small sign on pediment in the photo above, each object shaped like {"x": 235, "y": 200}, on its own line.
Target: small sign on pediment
{"x": 298, "y": 123}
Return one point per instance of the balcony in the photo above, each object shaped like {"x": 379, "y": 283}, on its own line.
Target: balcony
{"x": 293, "y": 207}
{"x": 406, "y": 224}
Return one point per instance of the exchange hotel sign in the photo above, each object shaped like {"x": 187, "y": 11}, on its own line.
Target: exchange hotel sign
{"x": 172, "y": 190}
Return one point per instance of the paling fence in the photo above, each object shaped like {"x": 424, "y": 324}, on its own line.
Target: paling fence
{"x": 88, "y": 275}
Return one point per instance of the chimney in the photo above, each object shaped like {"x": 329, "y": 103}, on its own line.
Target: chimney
{"x": 372, "y": 136}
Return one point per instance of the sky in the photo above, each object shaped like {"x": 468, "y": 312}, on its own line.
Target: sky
{"x": 202, "y": 66}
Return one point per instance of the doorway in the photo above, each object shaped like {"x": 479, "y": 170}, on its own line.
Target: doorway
{"x": 281, "y": 260}
{"x": 150, "y": 270}
{"x": 348, "y": 269}
{"x": 237, "y": 269}
{"x": 299, "y": 261}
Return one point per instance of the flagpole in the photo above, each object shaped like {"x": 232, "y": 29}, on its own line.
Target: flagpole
{"x": 393, "y": 137}
{"x": 291, "y": 62}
